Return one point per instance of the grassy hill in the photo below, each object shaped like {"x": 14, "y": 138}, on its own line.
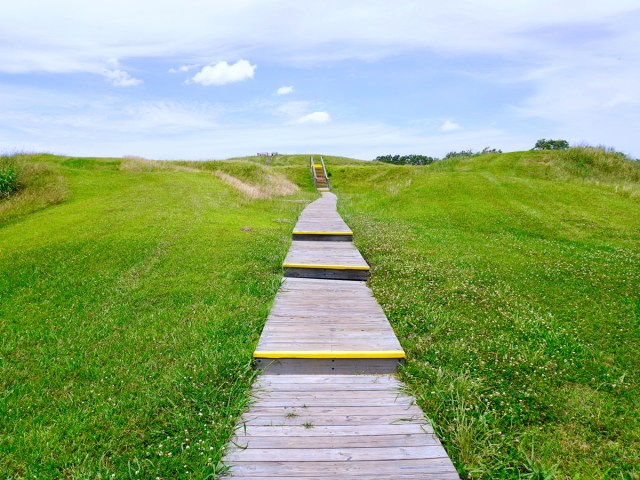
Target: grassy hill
{"x": 130, "y": 311}
{"x": 513, "y": 282}
{"x": 133, "y": 292}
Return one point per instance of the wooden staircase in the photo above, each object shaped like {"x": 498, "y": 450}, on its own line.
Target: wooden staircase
{"x": 320, "y": 177}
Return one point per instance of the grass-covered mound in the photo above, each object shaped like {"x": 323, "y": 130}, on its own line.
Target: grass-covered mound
{"x": 513, "y": 283}
{"x": 129, "y": 313}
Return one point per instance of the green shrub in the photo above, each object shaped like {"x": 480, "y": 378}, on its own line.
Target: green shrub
{"x": 406, "y": 159}
{"x": 544, "y": 144}
{"x": 8, "y": 180}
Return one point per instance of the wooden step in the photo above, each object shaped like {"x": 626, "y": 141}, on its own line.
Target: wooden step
{"x": 329, "y": 260}
{"x": 329, "y": 327}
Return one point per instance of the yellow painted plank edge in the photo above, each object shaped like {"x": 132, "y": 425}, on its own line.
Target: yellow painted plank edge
{"x": 323, "y": 233}
{"x": 336, "y": 354}
{"x": 326, "y": 267}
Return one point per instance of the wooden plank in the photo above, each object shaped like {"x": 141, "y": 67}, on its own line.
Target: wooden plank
{"x": 287, "y": 410}
{"x": 293, "y": 366}
{"x": 335, "y": 401}
{"x": 349, "y": 454}
{"x": 325, "y": 237}
{"x": 353, "y": 475}
{"x": 327, "y": 273}
{"x": 433, "y": 466}
{"x": 344, "y": 441}
{"x": 326, "y": 381}
{"x": 337, "y": 430}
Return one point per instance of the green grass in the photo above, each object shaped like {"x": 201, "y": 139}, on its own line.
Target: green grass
{"x": 129, "y": 313}
{"x": 28, "y": 184}
{"x": 513, "y": 283}
{"x": 132, "y": 294}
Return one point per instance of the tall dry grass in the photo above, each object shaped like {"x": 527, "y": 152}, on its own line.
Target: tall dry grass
{"x": 38, "y": 187}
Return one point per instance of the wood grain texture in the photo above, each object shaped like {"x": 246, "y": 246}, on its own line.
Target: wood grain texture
{"x": 325, "y": 253}
{"x": 322, "y": 216}
{"x": 335, "y": 426}
{"x": 326, "y": 315}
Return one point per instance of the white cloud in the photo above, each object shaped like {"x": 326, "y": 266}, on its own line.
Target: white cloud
{"x": 284, "y": 90}
{"x": 120, "y": 78}
{"x": 315, "y": 117}
{"x": 184, "y": 68}
{"x": 222, "y": 73}
{"x": 449, "y": 126}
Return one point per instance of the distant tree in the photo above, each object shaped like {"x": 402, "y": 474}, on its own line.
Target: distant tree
{"x": 490, "y": 150}
{"x": 544, "y": 144}
{"x": 461, "y": 153}
{"x": 406, "y": 159}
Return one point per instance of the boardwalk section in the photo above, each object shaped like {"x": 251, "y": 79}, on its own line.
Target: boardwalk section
{"x": 321, "y": 221}
{"x": 336, "y": 321}
{"x": 328, "y": 260}
{"x": 337, "y": 426}
{"x": 327, "y": 405}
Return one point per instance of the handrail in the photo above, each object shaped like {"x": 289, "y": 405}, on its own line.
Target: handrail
{"x": 324, "y": 170}
{"x": 313, "y": 173}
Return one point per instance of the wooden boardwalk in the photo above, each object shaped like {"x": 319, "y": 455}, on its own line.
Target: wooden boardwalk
{"x": 327, "y": 405}
{"x": 336, "y": 426}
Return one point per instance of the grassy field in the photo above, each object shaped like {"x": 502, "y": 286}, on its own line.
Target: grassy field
{"x": 132, "y": 294}
{"x": 129, "y": 312}
{"x": 513, "y": 283}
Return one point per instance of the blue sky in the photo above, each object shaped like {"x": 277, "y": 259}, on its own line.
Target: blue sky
{"x": 201, "y": 79}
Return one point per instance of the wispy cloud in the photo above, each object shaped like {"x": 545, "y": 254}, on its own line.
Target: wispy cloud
{"x": 222, "y": 73}
{"x": 120, "y": 78}
{"x": 449, "y": 126}
{"x": 184, "y": 68}
{"x": 315, "y": 117}
{"x": 284, "y": 90}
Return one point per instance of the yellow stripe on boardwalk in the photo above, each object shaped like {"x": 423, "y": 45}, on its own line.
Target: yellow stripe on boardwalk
{"x": 336, "y": 354}
{"x": 323, "y": 233}
{"x": 326, "y": 267}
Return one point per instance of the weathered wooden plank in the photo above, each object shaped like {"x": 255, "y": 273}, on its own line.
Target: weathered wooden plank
{"x": 363, "y": 387}
{"x": 433, "y": 466}
{"x": 343, "y": 441}
{"x": 400, "y": 428}
{"x": 333, "y": 402}
{"x": 312, "y": 421}
{"x": 349, "y": 454}
{"x": 400, "y": 411}
{"x": 353, "y": 475}
{"x": 315, "y": 237}
{"x": 326, "y": 394}
{"x": 326, "y": 381}
{"x": 293, "y": 366}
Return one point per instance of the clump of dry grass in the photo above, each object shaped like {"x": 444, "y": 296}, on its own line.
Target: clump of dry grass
{"x": 272, "y": 185}
{"x": 38, "y": 187}
{"x": 132, "y": 163}
{"x": 253, "y": 181}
